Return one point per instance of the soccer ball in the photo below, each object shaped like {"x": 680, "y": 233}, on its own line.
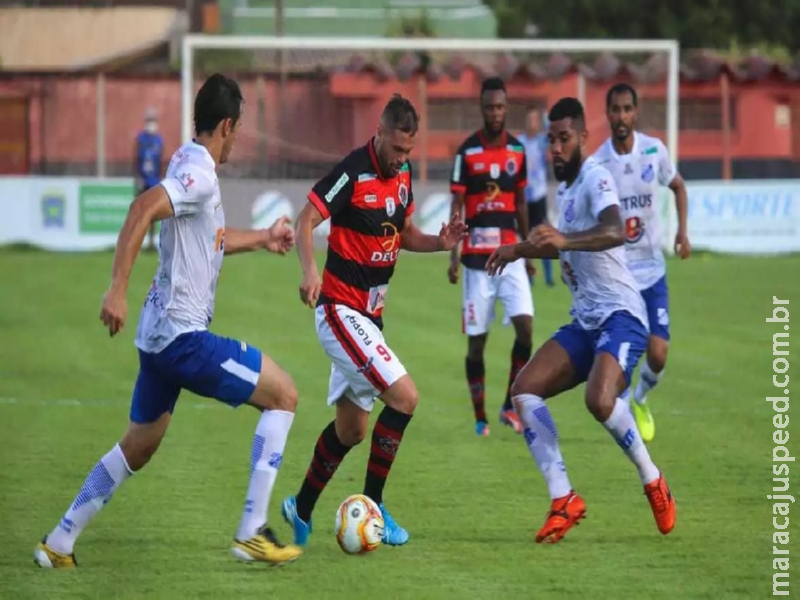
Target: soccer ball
{"x": 358, "y": 525}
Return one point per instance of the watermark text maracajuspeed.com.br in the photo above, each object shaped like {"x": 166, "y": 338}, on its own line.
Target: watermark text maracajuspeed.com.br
{"x": 781, "y": 497}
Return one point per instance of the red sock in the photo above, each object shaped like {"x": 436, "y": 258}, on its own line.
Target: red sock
{"x": 476, "y": 378}
{"x": 386, "y": 437}
{"x": 328, "y": 455}
{"x": 519, "y": 357}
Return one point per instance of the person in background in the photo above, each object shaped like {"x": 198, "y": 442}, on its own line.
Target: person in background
{"x": 149, "y": 163}
{"x": 488, "y": 188}
{"x": 535, "y": 142}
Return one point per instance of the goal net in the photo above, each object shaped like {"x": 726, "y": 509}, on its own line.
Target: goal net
{"x": 309, "y": 101}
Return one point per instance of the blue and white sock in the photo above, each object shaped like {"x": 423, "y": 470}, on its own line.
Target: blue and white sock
{"x": 647, "y": 381}
{"x": 623, "y": 429}
{"x": 100, "y": 485}
{"x": 266, "y": 456}
{"x": 541, "y": 437}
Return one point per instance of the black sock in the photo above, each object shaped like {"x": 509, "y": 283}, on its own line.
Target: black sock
{"x": 386, "y": 438}
{"x": 520, "y": 354}
{"x": 328, "y": 454}
{"x": 476, "y": 379}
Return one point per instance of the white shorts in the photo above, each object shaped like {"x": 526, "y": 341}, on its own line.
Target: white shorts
{"x": 482, "y": 291}
{"x": 363, "y": 365}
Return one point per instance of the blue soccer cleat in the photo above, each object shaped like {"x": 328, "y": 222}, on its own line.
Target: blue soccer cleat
{"x": 301, "y": 529}
{"x": 482, "y": 428}
{"x": 393, "y": 534}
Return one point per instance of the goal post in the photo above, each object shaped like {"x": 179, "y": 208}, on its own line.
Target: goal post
{"x": 193, "y": 42}
{"x": 285, "y": 58}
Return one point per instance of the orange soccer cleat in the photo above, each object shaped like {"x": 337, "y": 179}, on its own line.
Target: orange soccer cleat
{"x": 564, "y": 513}
{"x": 662, "y": 503}
{"x": 511, "y": 419}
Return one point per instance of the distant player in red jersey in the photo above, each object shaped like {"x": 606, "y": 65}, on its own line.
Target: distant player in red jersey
{"x": 368, "y": 198}
{"x": 488, "y": 184}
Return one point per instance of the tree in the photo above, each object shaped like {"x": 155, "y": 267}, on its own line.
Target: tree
{"x": 406, "y": 26}
{"x": 695, "y": 23}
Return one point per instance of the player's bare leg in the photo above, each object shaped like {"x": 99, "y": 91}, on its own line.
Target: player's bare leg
{"x": 275, "y": 397}
{"x": 650, "y": 374}
{"x": 547, "y": 374}
{"x": 351, "y": 423}
{"x": 134, "y": 451}
{"x": 520, "y": 354}
{"x": 401, "y": 399}
{"x": 476, "y": 379}
{"x": 603, "y": 388}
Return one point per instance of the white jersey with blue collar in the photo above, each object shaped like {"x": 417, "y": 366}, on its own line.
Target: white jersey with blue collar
{"x": 191, "y": 249}
{"x": 638, "y": 176}
{"x": 600, "y": 282}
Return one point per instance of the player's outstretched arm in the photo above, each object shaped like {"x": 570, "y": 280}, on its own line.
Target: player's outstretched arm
{"x": 608, "y": 233}
{"x": 512, "y": 252}
{"x": 244, "y": 240}
{"x": 279, "y": 238}
{"x": 151, "y": 206}
{"x": 413, "y": 240}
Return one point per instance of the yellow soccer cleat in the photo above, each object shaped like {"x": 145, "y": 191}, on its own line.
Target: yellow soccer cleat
{"x": 644, "y": 421}
{"x": 265, "y": 547}
{"x": 47, "y": 558}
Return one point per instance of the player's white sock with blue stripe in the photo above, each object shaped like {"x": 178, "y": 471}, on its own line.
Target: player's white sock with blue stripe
{"x": 265, "y": 460}
{"x": 647, "y": 381}
{"x": 623, "y": 429}
{"x": 101, "y": 483}
{"x": 541, "y": 437}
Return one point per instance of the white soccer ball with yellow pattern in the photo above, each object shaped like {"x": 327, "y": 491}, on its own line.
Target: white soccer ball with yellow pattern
{"x": 358, "y": 525}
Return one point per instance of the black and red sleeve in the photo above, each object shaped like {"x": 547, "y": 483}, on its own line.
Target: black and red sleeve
{"x": 458, "y": 178}
{"x": 334, "y": 192}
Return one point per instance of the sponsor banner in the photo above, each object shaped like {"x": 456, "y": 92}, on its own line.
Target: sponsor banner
{"x": 747, "y": 217}
{"x": 63, "y": 213}
{"x": 74, "y": 214}
{"x": 103, "y": 206}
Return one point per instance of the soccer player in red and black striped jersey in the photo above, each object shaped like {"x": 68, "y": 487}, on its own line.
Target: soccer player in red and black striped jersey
{"x": 488, "y": 185}
{"x": 369, "y": 199}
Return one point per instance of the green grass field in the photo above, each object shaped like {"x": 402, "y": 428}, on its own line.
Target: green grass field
{"x": 472, "y": 505}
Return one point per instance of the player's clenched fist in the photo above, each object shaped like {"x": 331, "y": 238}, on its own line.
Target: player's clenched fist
{"x": 310, "y": 288}
{"x": 280, "y": 236}
{"x": 682, "y": 246}
{"x": 114, "y": 311}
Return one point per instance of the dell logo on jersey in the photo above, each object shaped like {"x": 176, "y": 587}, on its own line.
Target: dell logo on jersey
{"x": 640, "y": 201}
{"x": 388, "y": 257}
{"x": 489, "y": 206}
